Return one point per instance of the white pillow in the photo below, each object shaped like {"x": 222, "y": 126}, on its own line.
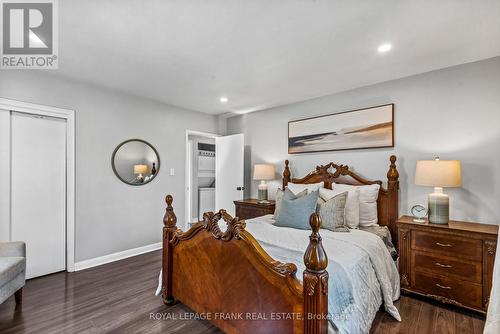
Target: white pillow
{"x": 351, "y": 205}
{"x": 296, "y": 188}
{"x": 367, "y": 202}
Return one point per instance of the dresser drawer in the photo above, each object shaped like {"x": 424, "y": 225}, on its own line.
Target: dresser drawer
{"x": 450, "y": 266}
{"x": 447, "y": 244}
{"x": 250, "y": 212}
{"x": 465, "y": 293}
{"x": 251, "y": 208}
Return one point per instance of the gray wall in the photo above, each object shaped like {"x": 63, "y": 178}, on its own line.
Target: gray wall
{"x": 110, "y": 215}
{"x": 453, "y": 113}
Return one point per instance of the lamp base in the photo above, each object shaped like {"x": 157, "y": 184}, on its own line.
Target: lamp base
{"x": 262, "y": 191}
{"x": 439, "y": 207}
{"x": 262, "y": 195}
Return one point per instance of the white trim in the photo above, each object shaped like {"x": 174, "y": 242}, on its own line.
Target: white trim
{"x": 187, "y": 207}
{"x": 116, "y": 256}
{"x": 189, "y": 181}
{"x": 69, "y": 116}
{"x": 33, "y": 108}
{"x": 201, "y": 134}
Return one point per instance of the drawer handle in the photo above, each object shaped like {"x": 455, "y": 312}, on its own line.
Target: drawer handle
{"x": 443, "y": 245}
{"x": 442, "y": 286}
{"x": 443, "y": 265}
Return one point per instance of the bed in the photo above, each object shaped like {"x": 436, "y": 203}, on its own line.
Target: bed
{"x": 244, "y": 276}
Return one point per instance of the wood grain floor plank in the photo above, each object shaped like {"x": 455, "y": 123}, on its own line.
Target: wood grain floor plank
{"x": 426, "y": 318}
{"x": 463, "y": 323}
{"x": 409, "y": 311}
{"x": 119, "y": 298}
{"x": 478, "y": 325}
{"x": 444, "y": 321}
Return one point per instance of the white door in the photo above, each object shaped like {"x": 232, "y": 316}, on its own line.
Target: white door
{"x": 229, "y": 155}
{"x": 38, "y": 191}
{"x": 4, "y": 175}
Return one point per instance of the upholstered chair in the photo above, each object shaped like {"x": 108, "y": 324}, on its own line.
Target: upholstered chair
{"x": 12, "y": 270}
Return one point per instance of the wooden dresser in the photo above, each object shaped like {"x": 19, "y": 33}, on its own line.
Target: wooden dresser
{"x": 251, "y": 208}
{"x": 451, "y": 263}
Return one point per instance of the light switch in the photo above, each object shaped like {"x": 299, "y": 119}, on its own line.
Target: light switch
{"x": 172, "y": 172}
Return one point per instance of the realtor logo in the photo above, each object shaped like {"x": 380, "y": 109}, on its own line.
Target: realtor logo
{"x": 29, "y": 34}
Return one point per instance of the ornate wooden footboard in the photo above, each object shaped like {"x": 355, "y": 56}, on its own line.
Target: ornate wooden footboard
{"x": 229, "y": 278}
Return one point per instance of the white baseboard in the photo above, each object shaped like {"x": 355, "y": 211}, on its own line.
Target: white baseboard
{"x": 116, "y": 256}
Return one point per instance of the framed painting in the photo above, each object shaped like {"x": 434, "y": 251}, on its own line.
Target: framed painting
{"x": 356, "y": 129}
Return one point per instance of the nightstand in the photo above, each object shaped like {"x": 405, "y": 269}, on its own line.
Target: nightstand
{"x": 451, "y": 263}
{"x": 251, "y": 208}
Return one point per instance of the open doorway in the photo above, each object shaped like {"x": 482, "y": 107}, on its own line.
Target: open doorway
{"x": 200, "y": 175}
{"x": 214, "y": 173}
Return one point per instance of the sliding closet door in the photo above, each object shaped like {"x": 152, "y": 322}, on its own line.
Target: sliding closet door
{"x": 4, "y": 175}
{"x": 38, "y": 191}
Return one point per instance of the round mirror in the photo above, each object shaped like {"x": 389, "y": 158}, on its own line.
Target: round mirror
{"x": 135, "y": 162}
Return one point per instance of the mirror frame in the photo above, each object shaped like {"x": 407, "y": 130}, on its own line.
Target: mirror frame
{"x": 113, "y": 162}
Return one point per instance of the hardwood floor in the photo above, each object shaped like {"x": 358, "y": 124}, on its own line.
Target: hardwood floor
{"x": 119, "y": 298}
{"x": 423, "y": 316}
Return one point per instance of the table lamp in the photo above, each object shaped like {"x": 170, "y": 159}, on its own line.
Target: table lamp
{"x": 140, "y": 169}
{"x": 263, "y": 172}
{"x": 438, "y": 174}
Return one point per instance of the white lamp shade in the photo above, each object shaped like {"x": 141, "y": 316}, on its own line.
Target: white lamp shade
{"x": 140, "y": 169}
{"x": 263, "y": 172}
{"x": 438, "y": 173}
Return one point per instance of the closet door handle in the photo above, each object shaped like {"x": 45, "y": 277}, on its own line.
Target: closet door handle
{"x": 240, "y": 188}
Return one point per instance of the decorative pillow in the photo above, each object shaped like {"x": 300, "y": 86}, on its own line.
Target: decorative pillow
{"x": 351, "y": 205}
{"x": 332, "y": 213}
{"x": 298, "y": 187}
{"x": 367, "y": 202}
{"x": 288, "y": 194}
{"x": 295, "y": 213}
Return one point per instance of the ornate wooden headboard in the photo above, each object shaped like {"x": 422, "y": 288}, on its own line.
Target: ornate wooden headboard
{"x": 387, "y": 202}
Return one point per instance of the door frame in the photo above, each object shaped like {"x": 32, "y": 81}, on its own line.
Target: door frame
{"x": 187, "y": 191}
{"x": 69, "y": 116}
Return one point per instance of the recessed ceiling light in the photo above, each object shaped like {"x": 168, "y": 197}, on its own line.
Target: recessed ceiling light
{"x": 383, "y": 48}
{"x": 223, "y": 99}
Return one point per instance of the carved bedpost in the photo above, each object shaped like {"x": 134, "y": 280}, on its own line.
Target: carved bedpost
{"x": 169, "y": 228}
{"x": 315, "y": 282}
{"x": 286, "y": 175}
{"x": 393, "y": 190}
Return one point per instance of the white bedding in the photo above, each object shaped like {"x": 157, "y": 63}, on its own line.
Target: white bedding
{"x": 370, "y": 270}
{"x": 363, "y": 256}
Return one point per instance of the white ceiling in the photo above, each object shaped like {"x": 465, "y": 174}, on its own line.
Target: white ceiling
{"x": 264, "y": 53}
